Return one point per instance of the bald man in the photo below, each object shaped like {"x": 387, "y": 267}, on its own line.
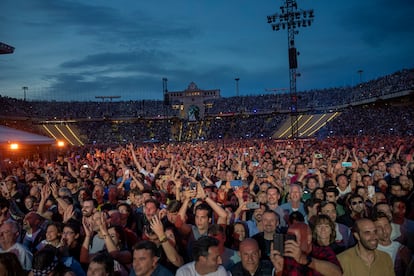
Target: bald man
{"x": 305, "y": 258}
{"x": 250, "y": 264}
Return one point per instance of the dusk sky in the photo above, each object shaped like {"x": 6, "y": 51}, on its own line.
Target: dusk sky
{"x": 76, "y": 50}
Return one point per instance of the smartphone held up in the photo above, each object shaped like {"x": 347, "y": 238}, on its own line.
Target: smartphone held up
{"x": 279, "y": 241}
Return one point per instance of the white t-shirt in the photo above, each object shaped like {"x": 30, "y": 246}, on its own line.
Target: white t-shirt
{"x": 339, "y": 237}
{"x": 189, "y": 270}
{"x": 395, "y": 231}
{"x": 346, "y": 191}
{"x": 391, "y": 249}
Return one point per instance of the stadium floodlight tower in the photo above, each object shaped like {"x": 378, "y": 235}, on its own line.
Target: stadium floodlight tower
{"x": 166, "y": 104}
{"x": 237, "y": 86}
{"x": 291, "y": 19}
{"x": 165, "y": 91}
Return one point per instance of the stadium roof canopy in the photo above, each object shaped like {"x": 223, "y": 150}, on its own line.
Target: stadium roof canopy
{"x": 11, "y": 135}
{"x": 6, "y": 49}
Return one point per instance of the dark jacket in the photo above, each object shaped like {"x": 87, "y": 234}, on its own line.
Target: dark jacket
{"x": 265, "y": 269}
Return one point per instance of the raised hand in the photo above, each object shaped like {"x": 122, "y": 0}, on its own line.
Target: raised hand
{"x": 103, "y": 227}
{"x": 276, "y": 259}
{"x": 162, "y": 213}
{"x": 87, "y": 227}
{"x": 4, "y": 190}
{"x": 292, "y": 249}
{"x": 45, "y": 192}
{"x": 68, "y": 213}
{"x": 54, "y": 188}
{"x": 157, "y": 227}
{"x": 189, "y": 194}
{"x": 239, "y": 194}
{"x": 200, "y": 192}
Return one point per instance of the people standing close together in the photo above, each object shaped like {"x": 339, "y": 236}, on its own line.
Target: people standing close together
{"x": 242, "y": 208}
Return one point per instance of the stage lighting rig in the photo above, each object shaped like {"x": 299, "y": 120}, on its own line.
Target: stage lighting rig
{"x": 292, "y": 18}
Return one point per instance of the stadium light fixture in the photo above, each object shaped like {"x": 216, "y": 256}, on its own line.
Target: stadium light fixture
{"x": 14, "y": 146}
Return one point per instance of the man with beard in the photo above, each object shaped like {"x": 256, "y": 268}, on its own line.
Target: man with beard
{"x": 88, "y": 208}
{"x": 364, "y": 258}
{"x": 255, "y": 223}
{"x": 356, "y": 210}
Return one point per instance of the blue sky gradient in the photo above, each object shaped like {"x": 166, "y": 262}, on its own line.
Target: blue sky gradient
{"x": 76, "y": 50}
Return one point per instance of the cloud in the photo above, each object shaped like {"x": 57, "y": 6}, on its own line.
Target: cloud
{"x": 78, "y": 49}
{"x": 139, "y": 59}
{"x": 380, "y": 22}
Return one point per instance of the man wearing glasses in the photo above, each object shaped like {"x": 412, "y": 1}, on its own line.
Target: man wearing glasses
{"x": 356, "y": 210}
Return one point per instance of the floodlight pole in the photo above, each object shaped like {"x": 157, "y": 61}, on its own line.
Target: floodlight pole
{"x": 292, "y": 18}
{"x": 25, "y": 88}
{"x": 237, "y": 86}
{"x": 360, "y": 71}
{"x": 166, "y": 105}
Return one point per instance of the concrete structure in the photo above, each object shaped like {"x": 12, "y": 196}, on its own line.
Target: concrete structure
{"x": 191, "y": 102}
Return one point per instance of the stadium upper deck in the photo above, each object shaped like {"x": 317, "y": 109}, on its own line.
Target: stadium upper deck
{"x": 398, "y": 84}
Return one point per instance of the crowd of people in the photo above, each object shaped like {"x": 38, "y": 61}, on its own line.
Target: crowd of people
{"x": 353, "y": 121}
{"x": 338, "y": 206}
{"x": 390, "y": 120}
{"x": 317, "y": 98}
{"x": 230, "y": 202}
{"x": 264, "y": 103}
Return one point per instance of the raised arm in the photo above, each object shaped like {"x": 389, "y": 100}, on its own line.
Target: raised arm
{"x": 181, "y": 221}
{"x": 137, "y": 182}
{"x": 324, "y": 267}
{"x": 354, "y": 155}
{"x": 172, "y": 255}
{"x": 72, "y": 172}
{"x": 222, "y": 214}
{"x": 134, "y": 157}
